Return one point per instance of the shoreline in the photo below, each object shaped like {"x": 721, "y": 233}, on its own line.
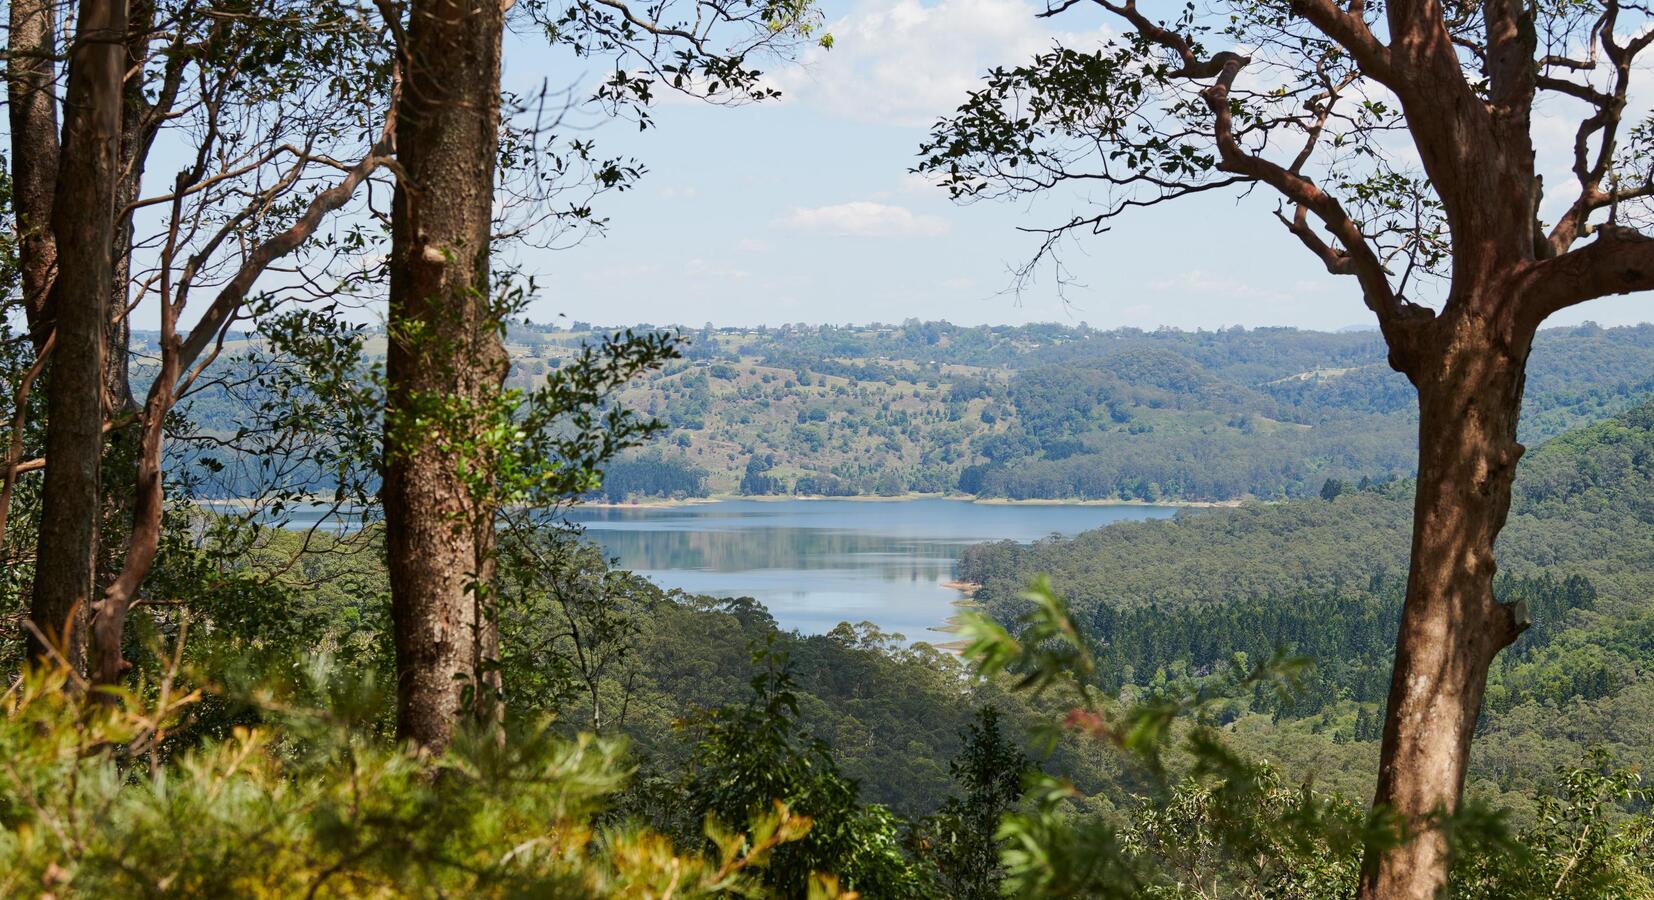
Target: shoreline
{"x": 1179, "y": 504}
{"x": 671, "y": 503}
{"x": 951, "y": 625}
{"x": 668, "y": 503}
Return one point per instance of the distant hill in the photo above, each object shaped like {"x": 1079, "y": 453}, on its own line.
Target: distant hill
{"x": 1045, "y": 411}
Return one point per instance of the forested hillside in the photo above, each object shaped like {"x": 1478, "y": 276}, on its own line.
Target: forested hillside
{"x": 1175, "y": 599}
{"x": 888, "y": 745}
{"x": 1039, "y": 411}
{"x": 1171, "y": 604}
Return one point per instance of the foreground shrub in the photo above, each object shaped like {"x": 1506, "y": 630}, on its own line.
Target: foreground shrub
{"x": 309, "y": 806}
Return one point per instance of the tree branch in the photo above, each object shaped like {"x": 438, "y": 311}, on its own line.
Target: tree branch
{"x": 1357, "y": 257}
{"x": 178, "y": 357}
{"x": 1606, "y": 119}
{"x": 14, "y": 451}
{"x": 1349, "y": 30}
{"x": 1619, "y": 261}
{"x": 1396, "y": 316}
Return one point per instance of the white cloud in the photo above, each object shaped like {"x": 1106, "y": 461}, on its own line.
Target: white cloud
{"x": 1205, "y": 284}
{"x": 753, "y": 245}
{"x": 927, "y": 184}
{"x": 903, "y": 62}
{"x": 864, "y": 218}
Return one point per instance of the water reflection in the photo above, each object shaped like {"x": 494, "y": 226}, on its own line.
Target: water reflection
{"x": 813, "y": 563}
{"x": 816, "y": 563}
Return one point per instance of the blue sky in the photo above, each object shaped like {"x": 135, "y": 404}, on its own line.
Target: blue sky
{"x": 802, "y": 210}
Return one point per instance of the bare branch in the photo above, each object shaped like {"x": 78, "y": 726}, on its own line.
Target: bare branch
{"x": 1593, "y": 169}
{"x": 14, "y": 451}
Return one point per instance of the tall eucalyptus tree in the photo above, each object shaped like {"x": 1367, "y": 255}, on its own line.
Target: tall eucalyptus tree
{"x": 1397, "y": 142}
{"x": 247, "y": 96}
{"x": 77, "y": 300}
{"x": 457, "y": 447}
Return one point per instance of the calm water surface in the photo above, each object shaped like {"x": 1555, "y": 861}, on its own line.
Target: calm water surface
{"x": 815, "y": 563}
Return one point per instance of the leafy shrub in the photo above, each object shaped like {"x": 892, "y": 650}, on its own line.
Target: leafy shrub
{"x": 93, "y": 806}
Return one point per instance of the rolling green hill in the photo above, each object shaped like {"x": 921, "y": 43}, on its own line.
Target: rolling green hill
{"x": 1034, "y": 412}
{"x": 1042, "y": 412}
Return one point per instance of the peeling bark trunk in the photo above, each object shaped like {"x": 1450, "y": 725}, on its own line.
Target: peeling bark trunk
{"x": 1470, "y": 396}
{"x": 32, "y": 106}
{"x": 446, "y": 358}
{"x": 83, "y": 225}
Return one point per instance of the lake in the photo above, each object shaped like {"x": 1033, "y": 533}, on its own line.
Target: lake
{"x": 815, "y": 563}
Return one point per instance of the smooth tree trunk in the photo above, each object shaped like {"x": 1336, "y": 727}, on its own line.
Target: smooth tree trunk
{"x": 125, "y": 439}
{"x": 83, "y": 227}
{"x": 181, "y": 359}
{"x": 445, "y": 362}
{"x": 1470, "y": 397}
{"x": 137, "y": 137}
{"x": 108, "y": 664}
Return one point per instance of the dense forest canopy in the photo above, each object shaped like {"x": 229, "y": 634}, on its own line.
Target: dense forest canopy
{"x": 1175, "y": 599}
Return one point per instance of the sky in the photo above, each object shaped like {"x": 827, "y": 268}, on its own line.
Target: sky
{"x": 804, "y": 209}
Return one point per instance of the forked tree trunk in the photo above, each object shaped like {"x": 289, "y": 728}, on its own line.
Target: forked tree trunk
{"x": 83, "y": 226}
{"x": 1470, "y": 396}
{"x": 181, "y": 354}
{"x": 446, "y": 360}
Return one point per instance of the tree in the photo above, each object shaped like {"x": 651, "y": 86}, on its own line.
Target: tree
{"x": 1331, "y": 488}
{"x": 961, "y": 836}
{"x": 449, "y": 425}
{"x": 269, "y": 111}
{"x": 83, "y": 210}
{"x": 1155, "y": 116}
{"x": 36, "y": 150}
{"x": 569, "y": 624}
{"x": 749, "y": 757}
{"x": 445, "y": 361}
{"x": 1581, "y": 843}
{"x": 253, "y": 95}
{"x": 32, "y": 108}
